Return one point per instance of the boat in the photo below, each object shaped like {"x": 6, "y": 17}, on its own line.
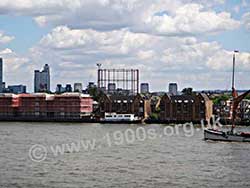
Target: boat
{"x": 120, "y": 118}
{"x": 216, "y": 135}
{"x": 232, "y": 135}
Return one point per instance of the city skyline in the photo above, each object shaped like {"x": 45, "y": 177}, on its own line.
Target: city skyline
{"x": 187, "y": 42}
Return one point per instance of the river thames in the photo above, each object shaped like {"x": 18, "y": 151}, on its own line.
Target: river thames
{"x": 120, "y": 160}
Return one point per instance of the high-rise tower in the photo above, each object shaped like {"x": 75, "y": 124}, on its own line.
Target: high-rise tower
{"x": 42, "y": 80}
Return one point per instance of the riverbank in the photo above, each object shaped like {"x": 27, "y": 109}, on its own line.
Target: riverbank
{"x": 92, "y": 120}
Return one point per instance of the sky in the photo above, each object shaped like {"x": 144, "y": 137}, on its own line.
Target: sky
{"x": 190, "y": 42}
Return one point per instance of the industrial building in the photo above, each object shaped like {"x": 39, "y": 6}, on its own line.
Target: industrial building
{"x": 118, "y": 79}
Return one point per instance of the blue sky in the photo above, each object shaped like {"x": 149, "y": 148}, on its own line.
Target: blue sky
{"x": 191, "y": 42}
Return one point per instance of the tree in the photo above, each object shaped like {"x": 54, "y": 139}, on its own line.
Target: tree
{"x": 95, "y": 93}
{"x": 247, "y": 97}
{"x": 219, "y": 99}
{"x": 187, "y": 91}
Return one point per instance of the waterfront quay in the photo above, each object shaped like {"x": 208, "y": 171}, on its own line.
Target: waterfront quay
{"x": 77, "y": 107}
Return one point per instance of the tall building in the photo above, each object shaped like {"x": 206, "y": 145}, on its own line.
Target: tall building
{"x": 144, "y": 88}
{"x": 1, "y": 75}
{"x": 173, "y": 89}
{"x": 42, "y": 80}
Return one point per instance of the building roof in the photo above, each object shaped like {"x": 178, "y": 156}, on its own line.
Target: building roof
{"x": 8, "y": 95}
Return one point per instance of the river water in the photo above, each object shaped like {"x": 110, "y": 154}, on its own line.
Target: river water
{"x": 155, "y": 160}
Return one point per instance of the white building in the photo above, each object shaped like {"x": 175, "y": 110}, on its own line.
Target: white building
{"x": 144, "y": 88}
{"x": 173, "y": 89}
{"x": 42, "y": 80}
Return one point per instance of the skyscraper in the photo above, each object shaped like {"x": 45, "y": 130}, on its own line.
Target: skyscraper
{"x": 1, "y": 75}
{"x": 42, "y": 80}
{"x": 173, "y": 89}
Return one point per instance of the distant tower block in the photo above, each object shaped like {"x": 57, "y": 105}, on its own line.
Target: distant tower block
{"x": 78, "y": 87}
{"x": 144, "y": 88}
{"x": 111, "y": 87}
{"x": 126, "y": 79}
{"x": 173, "y": 89}
{"x": 42, "y": 80}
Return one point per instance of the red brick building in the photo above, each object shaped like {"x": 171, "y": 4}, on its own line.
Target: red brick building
{"x": 8, "y": 105}
{"x": 46, "y": 106}
{"x": 186, "y": 108}
{"x": 139, "y": 105}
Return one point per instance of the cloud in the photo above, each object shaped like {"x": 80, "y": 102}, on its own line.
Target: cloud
{"x": 246, "y": 20}
{"x": 73, "y": 54}
{"x": 16, "y": 68}
{"x": 191, "y": 19}
{"x": 162, "y": 38}
{"x": 4, "y": 39}
{"x": 160, "y": 17}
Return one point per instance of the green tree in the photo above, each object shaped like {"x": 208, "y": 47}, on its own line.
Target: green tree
{"x": 219, "y": 99}
{"x": 187, "y": 91}
{"x": 95, "y": 93}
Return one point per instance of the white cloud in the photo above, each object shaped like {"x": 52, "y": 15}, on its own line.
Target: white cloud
{"x": 246, "y": 20}
{"x": 73, "y": 54}
{"x": 160, "y": 37}
{"x": 244, "y": 3}
{"x": 154, "y": 16}
{"x": 119, "y": 42}
{"x": 4, "y": 38}
{"x": 191, "y": 19}
{"x": 17, "y": 69}
{"x": 223, "y": 60}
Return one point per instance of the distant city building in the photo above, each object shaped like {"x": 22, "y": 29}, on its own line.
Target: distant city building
{"x": 173, "y": 89}
{"x": 78, "y": 87}
{"x": 91, "y": 85}
{"x": 42, "y": 80}
{"x": 144, "y": 88}
{"x": 68, "y": 88}
{"x": 1, "y": 75}
{"x": 111, "y": 87}
{"x": 60, "y": 88}
{"x": 3, "y": 86}
{"x": 17, "y": 89}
